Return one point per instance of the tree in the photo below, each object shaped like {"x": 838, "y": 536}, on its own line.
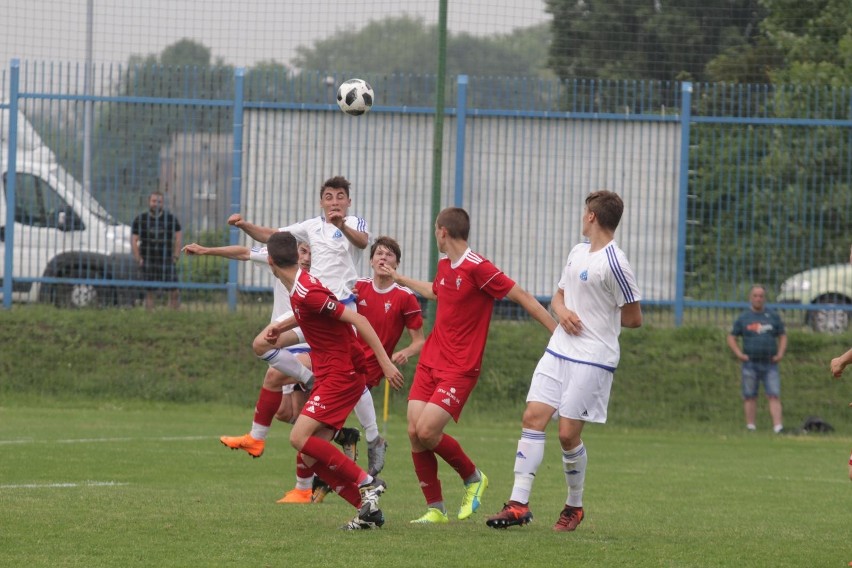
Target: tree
{"x": 788, "y": 209}
{"x": 129, "y": 136}
{"x": 651, "y": 39}
{"x": 406, "y": 45}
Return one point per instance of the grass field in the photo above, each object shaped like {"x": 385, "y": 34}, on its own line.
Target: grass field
{"x": 109, "y": 425}
{"x": 149, "y": 484}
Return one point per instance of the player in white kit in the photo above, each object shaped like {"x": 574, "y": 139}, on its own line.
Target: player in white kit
{"x": 596, "y": 296}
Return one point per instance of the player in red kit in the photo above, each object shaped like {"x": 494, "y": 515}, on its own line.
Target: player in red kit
{"x": 328, "y": 328}
{"x": 390, "y": 309}
{"x": 465, "y": 287}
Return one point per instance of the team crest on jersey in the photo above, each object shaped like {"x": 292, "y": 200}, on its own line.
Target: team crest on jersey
{"x": 584, "y": 275}
{"x": 387, "y": 306}
{"x": 312, "y": 279}
{"x": 337, "y": 234}
{"x": 458, "y": 282}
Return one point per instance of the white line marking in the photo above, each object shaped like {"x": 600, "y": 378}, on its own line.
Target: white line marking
{"x": 101, "y": 440}
{"x": 63, "y": 485}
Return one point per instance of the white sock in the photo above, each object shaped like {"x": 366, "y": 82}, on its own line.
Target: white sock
{"x": 284, "y": 361}
{"x": 366, "y": 413}
{"x": 304, "y": 482}
{"x": 574, "y": 464}
{"x": 527, "y": 460}
{"x": 258, "y": 431}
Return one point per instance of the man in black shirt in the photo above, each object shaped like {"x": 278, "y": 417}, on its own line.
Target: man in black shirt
{"x": 156, "y": 242}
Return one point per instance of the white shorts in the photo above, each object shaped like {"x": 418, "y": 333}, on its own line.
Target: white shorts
{"x": 577, "y": 390}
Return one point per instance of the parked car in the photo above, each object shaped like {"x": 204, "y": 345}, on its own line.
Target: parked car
{"x": 59, "y": 232}
{"x": 828, "y": 289}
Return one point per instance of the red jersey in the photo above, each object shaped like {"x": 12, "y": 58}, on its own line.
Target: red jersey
{"x": 389, "y": 311}
{"x": 334, "y": 349}
{"x": 466, "y": 294}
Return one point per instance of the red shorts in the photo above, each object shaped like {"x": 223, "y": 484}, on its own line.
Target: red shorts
{"x": 446, "y": 389}
{"x": 373, "y": 372}
{"x": 333, "y": 398}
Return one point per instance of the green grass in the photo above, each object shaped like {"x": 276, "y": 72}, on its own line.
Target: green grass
{"x": 152, "y": 486}
{"x": 109, "y": 423}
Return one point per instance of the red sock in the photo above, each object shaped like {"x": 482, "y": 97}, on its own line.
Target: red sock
{"x": 451, "y": 452}
{"x": 347, "y": 490}
{"x": 426, "y": 469}
{"x": 303, "y": 470}
{"x": 267, "y": 405}
{"x": 332, "y": 465}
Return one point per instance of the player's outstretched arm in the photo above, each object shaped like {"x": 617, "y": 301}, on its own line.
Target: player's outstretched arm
{"x": 532, "y": 307}
{"x": 234, "y": 252}
{"x": 420, "y": 286}
{"x": 258, "y": 233}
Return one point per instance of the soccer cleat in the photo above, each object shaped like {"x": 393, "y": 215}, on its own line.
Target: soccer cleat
{"x": 370, "y": 496}
{"x": 321, "y": 489}
{"x": 569, "y": 518}
{"x": 376, "y": 455}
{"x": 373, "y": 520}
{"x": 297, "y": 496}
{"x": 348, "y": 440}
{"x": 252, "y": 446}
{"x": 431, "y": 517}
{"x": 513, "y": 514}
{"x": 473, "y": 497}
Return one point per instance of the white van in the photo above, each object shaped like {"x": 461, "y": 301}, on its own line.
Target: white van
{"x": 59, "y": 230}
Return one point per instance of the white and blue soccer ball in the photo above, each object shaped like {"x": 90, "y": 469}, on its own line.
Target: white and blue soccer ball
{"x": 355, "y": 97}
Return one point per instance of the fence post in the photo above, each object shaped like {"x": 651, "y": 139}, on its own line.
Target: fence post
{"x": 461, "y": 120}
{"x": 683, "y": 193}
{"x": 11, "y": 168}
{"x": 236, "y": 181}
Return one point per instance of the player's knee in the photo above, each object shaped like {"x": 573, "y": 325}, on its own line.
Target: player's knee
{"x": 260, "y": 346}
{"x": 285, "y": 414}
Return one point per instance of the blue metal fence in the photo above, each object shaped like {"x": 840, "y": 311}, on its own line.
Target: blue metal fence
{"x": 724, "y": 185}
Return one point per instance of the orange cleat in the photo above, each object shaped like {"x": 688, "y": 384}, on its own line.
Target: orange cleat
{"x": 513, "y": 514}
{"x": 296, "y": 496}
{"x": 247, "y": 443}
{"x": 569, "y": 518}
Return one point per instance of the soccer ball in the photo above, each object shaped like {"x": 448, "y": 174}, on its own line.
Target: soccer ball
{"x": 355, "y": 97}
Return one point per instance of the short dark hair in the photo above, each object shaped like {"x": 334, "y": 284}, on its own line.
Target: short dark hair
{"x": 456, "y": 221}
{"x": 607, "y": 207}
{"x": 389, "y": 244}
{"x": 337, "y": 182}
{"x": 283, "y": 249}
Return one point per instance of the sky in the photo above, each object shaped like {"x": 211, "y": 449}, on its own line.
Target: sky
{"x": 240, "y": 32}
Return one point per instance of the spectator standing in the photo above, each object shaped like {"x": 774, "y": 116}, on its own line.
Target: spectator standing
{"x": 763, "y": 346}
{"x": 156, "y": 242}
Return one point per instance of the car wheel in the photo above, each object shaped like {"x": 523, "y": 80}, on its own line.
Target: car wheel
{"x": 829, "y": 321}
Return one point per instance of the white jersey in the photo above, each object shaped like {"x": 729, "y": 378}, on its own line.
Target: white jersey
{"x": 596, "y": 286}
{"x": 281, "y": 308}
{"x": 333, "y": 256}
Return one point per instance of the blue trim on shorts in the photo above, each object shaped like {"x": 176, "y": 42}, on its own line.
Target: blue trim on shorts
{"x": 297, "y": 350}
{"x": 349, "y": 300}
{"x": 564, "y": 358}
